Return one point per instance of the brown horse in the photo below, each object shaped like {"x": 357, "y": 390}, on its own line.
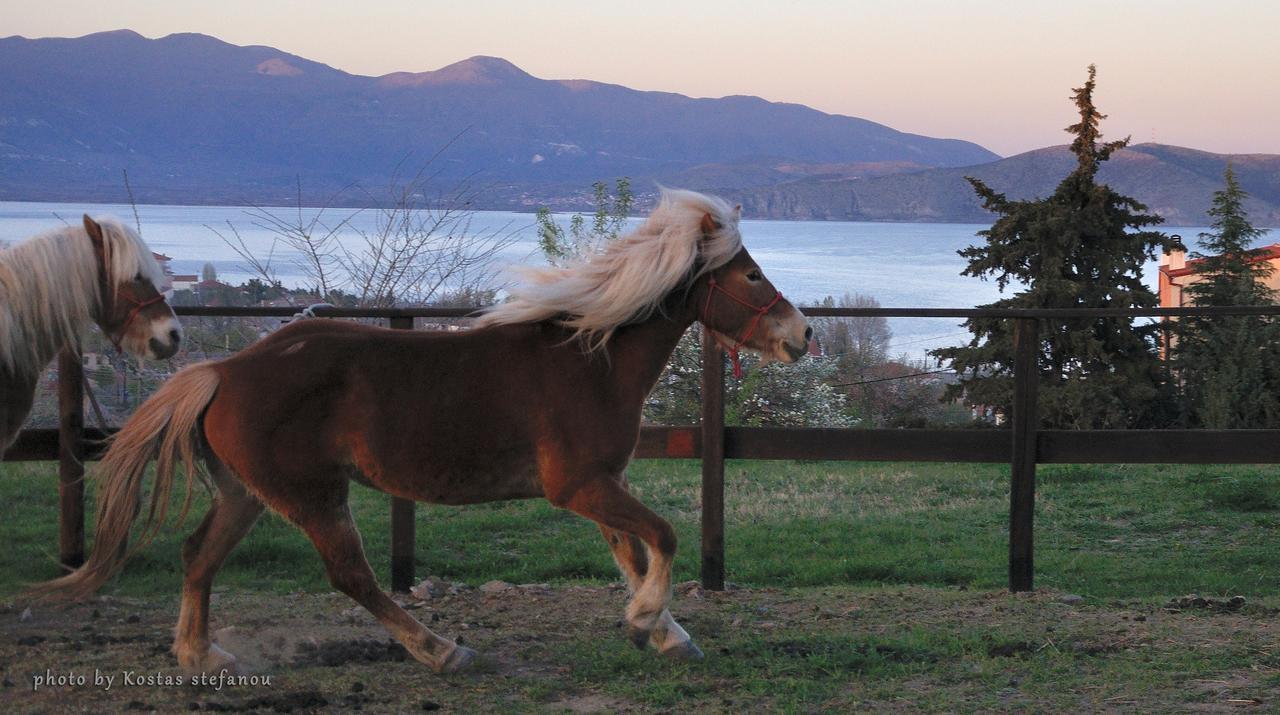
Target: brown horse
{"x": 543, "y": 399}
{"x": 52, "y": 286}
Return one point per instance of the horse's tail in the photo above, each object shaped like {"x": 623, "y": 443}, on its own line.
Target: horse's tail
{"x": 166, "y": 428}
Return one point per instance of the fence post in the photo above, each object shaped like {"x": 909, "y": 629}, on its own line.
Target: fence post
{"x": 402, "y": 526}
{"x": 1025, "y": 421}
{"x": 70, "y": 458}
{"x": 712, "y": 463}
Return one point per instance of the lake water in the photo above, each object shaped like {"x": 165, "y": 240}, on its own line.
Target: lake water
{"x": 900, "y": 264}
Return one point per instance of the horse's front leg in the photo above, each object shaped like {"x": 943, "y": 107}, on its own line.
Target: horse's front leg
{"x": 16, "y": 397}
{"x": 632, "y": 558}
{"x": 644, "y": 545}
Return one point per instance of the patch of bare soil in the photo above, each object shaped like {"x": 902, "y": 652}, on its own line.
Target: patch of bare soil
{"x": 316, "y": 653}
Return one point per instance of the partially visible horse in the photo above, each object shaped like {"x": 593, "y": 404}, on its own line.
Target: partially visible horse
{"x": 53, "y": 285}
{"x": 542, "y": 399}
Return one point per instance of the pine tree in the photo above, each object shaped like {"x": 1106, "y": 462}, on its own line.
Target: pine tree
{"x": 1225, "y": 363}
{"x": 1082, "y": 247}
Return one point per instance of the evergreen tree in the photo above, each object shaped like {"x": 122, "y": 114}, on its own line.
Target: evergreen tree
{"x": 1225, "y": 363}
{"x": 1082, "y": 247}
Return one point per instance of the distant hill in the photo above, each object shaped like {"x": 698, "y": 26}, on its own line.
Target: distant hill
{"x": 198, "y": 120}
{"x": 1175, "y": 182}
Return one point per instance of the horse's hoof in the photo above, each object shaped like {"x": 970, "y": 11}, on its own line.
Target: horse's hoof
{"x": 216, "y": 660}
{"x": 683, "y": 651}
{"x": 457, "y": 660}
{"x": 639, "y": 637}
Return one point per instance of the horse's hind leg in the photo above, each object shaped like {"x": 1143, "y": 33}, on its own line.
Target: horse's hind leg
{"x": 232, "y": 515}
{"x": 335, "y": 536}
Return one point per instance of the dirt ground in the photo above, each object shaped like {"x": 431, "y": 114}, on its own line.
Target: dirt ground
{"x": 545, "y": 649}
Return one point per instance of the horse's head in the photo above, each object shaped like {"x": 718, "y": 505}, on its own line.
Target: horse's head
{"x": 738, "y": 304}
{"x": 133, "y": 314}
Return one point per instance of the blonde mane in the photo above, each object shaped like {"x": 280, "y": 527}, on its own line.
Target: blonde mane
{"x": 626, "y": 280}
{"x": 49, "y": 289}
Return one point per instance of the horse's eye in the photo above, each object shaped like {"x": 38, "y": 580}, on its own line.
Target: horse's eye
{"x": 754, "y": 276}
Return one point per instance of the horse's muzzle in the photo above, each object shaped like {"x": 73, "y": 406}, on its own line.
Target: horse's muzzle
{"x": 794, "y": 352}
{"x": 162, "y": 350}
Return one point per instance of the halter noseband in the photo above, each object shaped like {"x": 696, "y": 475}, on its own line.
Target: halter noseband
{"x": 760, "y": 310}
{"x": 138, "y": 305}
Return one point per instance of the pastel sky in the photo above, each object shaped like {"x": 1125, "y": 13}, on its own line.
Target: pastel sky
{"x": 1204, "y": 74}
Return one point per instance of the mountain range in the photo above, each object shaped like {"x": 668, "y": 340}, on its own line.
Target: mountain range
{"x": 1174, "y": 182}
{"x": 190, "y": 113}
{"x": 197, "y": 120}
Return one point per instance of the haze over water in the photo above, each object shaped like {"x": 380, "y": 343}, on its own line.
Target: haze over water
{"x": 903, "y": 265}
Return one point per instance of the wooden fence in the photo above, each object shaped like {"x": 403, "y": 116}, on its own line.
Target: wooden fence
{"x": 1023, "y": 446}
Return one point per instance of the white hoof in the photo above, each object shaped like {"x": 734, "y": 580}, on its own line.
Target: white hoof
{"x": 215, "y": 660}
{"x": 673, "y": 641}
{"x": 683, "y": 651}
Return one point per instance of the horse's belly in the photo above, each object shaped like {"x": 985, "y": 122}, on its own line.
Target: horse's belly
{"x": 478, "y": 487}
{"x": 455, "y": 475}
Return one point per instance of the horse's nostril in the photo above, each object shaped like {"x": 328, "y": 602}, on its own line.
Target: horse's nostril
{"x": 808, "y": 332}
{"x": 175, "y": 337}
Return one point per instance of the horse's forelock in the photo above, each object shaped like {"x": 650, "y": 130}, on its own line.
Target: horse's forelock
{"x": 127, "y": 255}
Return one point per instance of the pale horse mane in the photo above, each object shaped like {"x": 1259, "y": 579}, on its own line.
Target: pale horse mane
{"x": 626, "y": 280}
{"x": 49, "y": 288}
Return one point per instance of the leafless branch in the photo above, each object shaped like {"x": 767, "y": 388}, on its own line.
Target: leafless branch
{"x": 254, "y": 264}
{"x": 137, "y": 222}
{"x": 417, "y": 250}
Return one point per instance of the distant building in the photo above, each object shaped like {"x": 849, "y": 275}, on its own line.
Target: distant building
{"x": 1176, "y": 273}
{"x": 163, "y": 260}
{"x": 185, "y": 281}
{"x": 215, "y": 292}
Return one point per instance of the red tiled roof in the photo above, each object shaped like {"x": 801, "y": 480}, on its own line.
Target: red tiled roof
{"x": 1266, "y": 253}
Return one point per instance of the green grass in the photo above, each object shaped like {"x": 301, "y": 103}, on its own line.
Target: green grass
{"x": 875, "y": 587}
{"x": 1106, "y": 532}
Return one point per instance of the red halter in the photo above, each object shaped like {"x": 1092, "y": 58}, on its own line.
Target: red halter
{"x": 712, "y": 287}
{"x": 138, "y": 305}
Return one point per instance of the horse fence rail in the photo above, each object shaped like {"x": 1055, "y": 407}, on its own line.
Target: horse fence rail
{"x": 712, "y": 442}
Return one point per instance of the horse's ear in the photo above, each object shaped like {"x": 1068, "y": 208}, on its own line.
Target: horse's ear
{"x": 92, "y": 228}
{"x": 710, "y": 225}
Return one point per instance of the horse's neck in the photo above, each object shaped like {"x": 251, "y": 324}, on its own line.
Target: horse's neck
{"x": 639, "y": 352}
{"x": 35, "y": 343}
{"x": 33, "y": 334}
